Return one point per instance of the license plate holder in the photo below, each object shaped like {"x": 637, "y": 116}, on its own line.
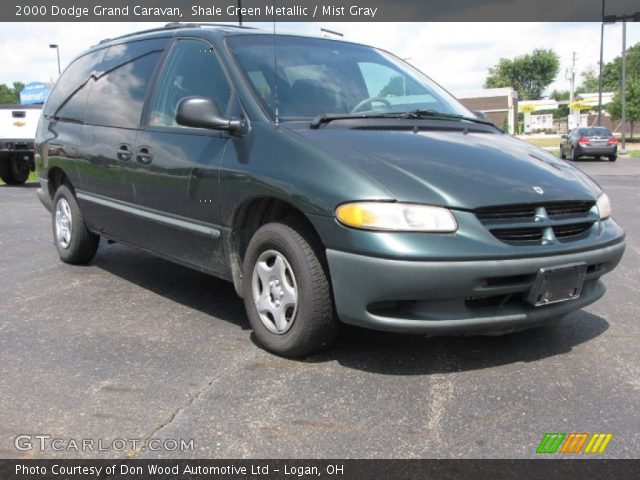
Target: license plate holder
{"x": 557, "y": 284}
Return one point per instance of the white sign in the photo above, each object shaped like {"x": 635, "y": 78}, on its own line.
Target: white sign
{"x": 534, "y": 123}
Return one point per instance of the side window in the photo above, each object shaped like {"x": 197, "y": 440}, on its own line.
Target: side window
{"x": 191, "y": 70}
{"x": 90, "y": 91}
{"x": 117, "y": 96}
{"x": 70, "y": 93}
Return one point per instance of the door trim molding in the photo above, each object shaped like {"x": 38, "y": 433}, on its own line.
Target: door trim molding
{"x": 153, "y": 215}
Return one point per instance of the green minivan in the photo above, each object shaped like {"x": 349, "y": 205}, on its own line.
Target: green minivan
{"x": 329, "y": 181}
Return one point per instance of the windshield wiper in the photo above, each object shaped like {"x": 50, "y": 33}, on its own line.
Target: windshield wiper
{"x": 417, "y": 114}
{"x": 426, "y": 113}
{"x": 329, "y": 117}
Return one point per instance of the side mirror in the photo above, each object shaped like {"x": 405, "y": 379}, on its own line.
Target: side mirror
{"x": 200, "y": 112}
{"x": 480, "y": 115}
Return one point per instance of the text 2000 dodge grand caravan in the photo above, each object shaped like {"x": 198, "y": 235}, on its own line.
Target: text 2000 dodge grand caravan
{"x": 330, "y": 183}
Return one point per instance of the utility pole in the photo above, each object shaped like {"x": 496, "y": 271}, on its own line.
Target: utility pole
{"x": 624, "y": 86}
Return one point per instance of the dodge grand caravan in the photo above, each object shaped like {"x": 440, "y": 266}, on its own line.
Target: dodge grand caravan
{"x": 329, "y": 181}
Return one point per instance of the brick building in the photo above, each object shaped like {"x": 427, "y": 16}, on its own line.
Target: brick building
{"x": 497, "y": 104}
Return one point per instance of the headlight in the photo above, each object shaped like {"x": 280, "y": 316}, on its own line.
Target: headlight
{"x": 399, "y": 217}
{"x": 604, "y": 206}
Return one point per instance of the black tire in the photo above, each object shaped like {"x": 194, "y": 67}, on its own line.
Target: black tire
{"x": 574, "y": 155}
{"x": 13, "y": 171}
{"x": 82, "y": 244}
{"x": 613, "y": 158}
{"x": 314, "y": 325}
{"x": 562, "y": 155}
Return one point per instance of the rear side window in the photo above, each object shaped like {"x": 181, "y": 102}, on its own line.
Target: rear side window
{"x": 107, "y": 86}
{"x": 69, "y": 96}
{"x": 191, "y": 70}
{"x": 118, "y": 91}
{"x": 117, "y": 96}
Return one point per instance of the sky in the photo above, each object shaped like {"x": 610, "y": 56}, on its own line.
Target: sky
{"x": 456, "y": 55}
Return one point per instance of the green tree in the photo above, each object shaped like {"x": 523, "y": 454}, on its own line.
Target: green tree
{"x": 529, "y": 74}
{"x": 559, "y": 95}
{"x": 633, "y": 104}
{"x": 612, "y": 72}
{"x": 10, "y": 95}
{"x": 589, "y": 81}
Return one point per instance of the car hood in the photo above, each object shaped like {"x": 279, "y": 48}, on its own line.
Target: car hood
{"x": 458, "y": 169}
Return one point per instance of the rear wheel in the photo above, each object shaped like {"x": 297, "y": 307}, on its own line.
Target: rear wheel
{"x": 75, "y": 243}
{"x": 574, "y": 155}
{"x": 613, "y": 158}
{"x": 14, "y": 171}
{"x": 286, "y": 291}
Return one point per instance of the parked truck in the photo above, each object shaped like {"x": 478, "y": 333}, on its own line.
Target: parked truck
{"x": 18, "y": 125}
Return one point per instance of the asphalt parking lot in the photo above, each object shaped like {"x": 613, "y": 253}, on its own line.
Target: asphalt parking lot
{"x": 133, "y": 347}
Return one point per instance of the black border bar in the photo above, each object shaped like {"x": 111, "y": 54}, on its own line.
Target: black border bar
{"x": 240, "y": 469}
{"x": 312, "y": 10}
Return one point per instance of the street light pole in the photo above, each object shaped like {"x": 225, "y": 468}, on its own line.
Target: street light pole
{"x": 624, "y": 86}
{"x": 53, "y": 45}
{"x": 634, "y": 17}
{"x": 600, "y": 74}
{"x": 571, "y": 76}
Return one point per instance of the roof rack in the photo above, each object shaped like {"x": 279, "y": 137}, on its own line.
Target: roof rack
{"x": 204, "y": 24}
{"x": 173, "y": 26}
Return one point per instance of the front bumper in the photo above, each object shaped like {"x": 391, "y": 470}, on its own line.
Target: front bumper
{"x": 455, "y": 297}
{"x": 19, "y": 145}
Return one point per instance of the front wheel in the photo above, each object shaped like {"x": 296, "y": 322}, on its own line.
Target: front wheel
{"x": 286, "y": 291}
{"x": 14, "y": 171}
{"x": 75, "y": 243}
{"x": 562, "y": 154}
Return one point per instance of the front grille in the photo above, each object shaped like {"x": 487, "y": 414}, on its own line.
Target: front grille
{"x": 528, "y": 211}
{"x": 568, "y": 209}
{"x": 507, "y": 212}
{"x": 573, "y": 230}
{"x": 530, "y": 224}
{"x": 518, "y": 234}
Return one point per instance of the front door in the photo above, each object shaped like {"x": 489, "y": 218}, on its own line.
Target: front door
{"x": 175, "y": 169}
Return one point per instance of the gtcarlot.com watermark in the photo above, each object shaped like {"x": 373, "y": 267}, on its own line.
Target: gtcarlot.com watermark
{"x": 28, "y": 442}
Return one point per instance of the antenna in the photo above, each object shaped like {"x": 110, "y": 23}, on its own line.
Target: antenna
{"x": 275, "y": 68}
{"x": 239, "y": 13}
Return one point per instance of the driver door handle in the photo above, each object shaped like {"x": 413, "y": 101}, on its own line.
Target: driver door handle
{"x": 144, "y": 155}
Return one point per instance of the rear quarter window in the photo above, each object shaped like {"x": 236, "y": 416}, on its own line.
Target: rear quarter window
{"x": 107, "y": 86}
{"x": 69, "y": 96}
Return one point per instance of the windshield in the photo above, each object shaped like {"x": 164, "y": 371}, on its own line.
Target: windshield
{"x": 320, "y": 76}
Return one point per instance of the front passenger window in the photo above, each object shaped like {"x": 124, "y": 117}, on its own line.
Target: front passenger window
{"x": 192, "y": 70}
